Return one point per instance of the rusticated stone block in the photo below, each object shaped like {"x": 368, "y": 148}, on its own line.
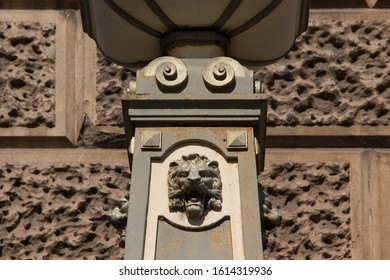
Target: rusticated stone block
{"x": 337, "y": 74}
{"x": 40, "y": 97}
{"x": 380, "y": 207}
{"x": 111, "y": 80}
{"x": 59, "y": 211}
{"x": 314, "y": 201}
{"x": 27, "y": 77}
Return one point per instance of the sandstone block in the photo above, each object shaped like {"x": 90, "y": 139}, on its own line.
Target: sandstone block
{"x": 55, "y": 204}
{"x": 38, "y": 90}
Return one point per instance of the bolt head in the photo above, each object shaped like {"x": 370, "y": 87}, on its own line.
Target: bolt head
{"x": 170, "y": 72}
{"x": 167, "y": 69}
{"x": 219, "y": 72}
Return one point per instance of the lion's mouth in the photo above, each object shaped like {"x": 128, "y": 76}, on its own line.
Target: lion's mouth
{"x": 194, "y": 202}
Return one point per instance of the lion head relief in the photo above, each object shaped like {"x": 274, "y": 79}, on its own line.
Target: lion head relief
{"x": 194, "y": 185}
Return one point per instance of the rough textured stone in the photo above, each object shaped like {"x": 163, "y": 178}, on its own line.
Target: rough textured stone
{"x": 27, "y": 74}
{"x": 92, "y": 137}
{"x": 314, "y": 201}
{"x": 111, "y": 80}
{"x": 337, "y": 74}
{"x": 59, "y": 211}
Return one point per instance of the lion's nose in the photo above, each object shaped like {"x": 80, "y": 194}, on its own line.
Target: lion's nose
{"x": 194, "y": 178}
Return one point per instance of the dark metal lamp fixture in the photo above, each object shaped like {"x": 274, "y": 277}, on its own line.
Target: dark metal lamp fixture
{"x": 254, "y": 32}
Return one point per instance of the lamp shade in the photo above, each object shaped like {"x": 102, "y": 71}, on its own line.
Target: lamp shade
{"x": 254, "y": 32}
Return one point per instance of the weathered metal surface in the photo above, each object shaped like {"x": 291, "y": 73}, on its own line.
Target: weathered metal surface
{"x": 207, "y": 104}
{"x": 159, "y": 200}
{"x": 178, "y": 244}
{"x": 200, "y": 104}
{"x": 255, "y": 32}
{"x": 168, "y": 73}
{"x": 200, "y": 99}
{"x": 151, "y": 140}
{"x": 195, "y": 76}
{"x": 215, "y": 138}
{"x": 195, "y": 44}
{"x": 237, "y": 140}
{"x": 220, "y": 73}
{"x": 194, "y": 186}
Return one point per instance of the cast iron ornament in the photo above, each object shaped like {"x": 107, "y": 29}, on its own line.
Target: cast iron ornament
{"x": 194, "y": 186}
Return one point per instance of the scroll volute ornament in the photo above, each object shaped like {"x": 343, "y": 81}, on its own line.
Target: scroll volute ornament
{"x": 194, "y": 186}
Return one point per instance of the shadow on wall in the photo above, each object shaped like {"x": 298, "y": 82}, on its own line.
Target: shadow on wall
{"x": 39, "y": 4}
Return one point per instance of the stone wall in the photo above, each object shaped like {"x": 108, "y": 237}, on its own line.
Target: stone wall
{"x": 57, "y": 90}
{"x": 111, "y": 80}
{"x": 27, "y": 82}
{"x": 40, "y": 96}
{"x": 338, "y": 73}
{"x": 59, "y": 209}
{"x": 314, "y": 201}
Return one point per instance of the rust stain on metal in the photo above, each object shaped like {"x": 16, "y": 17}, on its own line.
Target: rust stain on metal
{"x": 215, "y": 239}
{"x": 175, "y": 244}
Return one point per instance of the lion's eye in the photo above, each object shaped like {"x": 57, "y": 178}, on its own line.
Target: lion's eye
{"x": 204, "y": 173}
{"x": 183, "y": 174}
